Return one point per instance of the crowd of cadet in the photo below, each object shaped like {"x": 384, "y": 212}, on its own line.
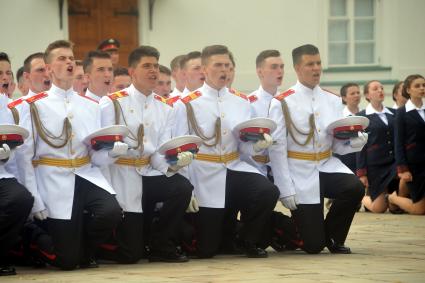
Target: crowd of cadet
{"x": 69, "y": 204}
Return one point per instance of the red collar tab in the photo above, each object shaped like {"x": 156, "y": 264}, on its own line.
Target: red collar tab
{"x": 36, "y": 97}
{"x": 191, "y": 96}
{"x": 118, "y": 94}
{"x": 284, "y": 94}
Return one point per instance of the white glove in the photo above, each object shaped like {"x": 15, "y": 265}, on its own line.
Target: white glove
{"x": 193, "y": 206}
{"x": 290, "y": 202}
{"x": 119, "y": 149}
{"x": 263, "y": 144}
{"x": 41, "y": 215}
{"x": 359, "y": 141}
{"x": 183, "y": 159}
{"x": 4, "y": 152}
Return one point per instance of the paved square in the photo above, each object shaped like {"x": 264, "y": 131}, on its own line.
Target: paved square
{"x": 386, "y": 248}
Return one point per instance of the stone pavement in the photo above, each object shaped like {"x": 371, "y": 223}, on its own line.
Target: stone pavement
{"x": 386, "y": 248}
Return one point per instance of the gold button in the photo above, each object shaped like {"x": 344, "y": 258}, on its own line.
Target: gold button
{"x": 222, "y": 115}
{"x": 317, "y": 113}
{"x": 70, "y": 116}
{"x": 224, "y": 132}
{"x": 72, "y": 135}
{"x": 318, "y": 130}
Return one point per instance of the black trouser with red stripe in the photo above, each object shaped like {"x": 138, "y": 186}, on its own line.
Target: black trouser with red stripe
{"x": 251, "y": 194}
{"x": 15, "y": 206}
{"x": 126, "y": 243}
{"x": 175, "y": 193}
{"x": 95, "y": 213}
{"x": 315, "y": 231}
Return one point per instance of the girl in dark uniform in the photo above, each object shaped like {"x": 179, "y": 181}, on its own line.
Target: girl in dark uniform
{"x": 376, "y": 162}
{"x": 410, "y": 146}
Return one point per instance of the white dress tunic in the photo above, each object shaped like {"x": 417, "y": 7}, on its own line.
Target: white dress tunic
{"x": 303, "y": 176}
{"x": 53, "y": 186}
{"x": 157, "y": 119}
{"x": 209, "y": 178}
{"x": 260, "y": 104}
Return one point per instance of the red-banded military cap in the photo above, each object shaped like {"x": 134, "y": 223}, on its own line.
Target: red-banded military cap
{"x": 348, "y": 127}
{"x": 12, "y": 135}
{"x": 258, "y": 125}
{"x": 109, "y": 44}
{"x": 180, "y": 144}
{"x": 106, "y": 137}
{"x": 253, "y": 129}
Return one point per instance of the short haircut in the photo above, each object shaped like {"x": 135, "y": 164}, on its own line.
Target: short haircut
{"x": 94, "y": 54}
{"x": 28, "y": 60}
{"x": 344, "y": 89}
{"x": 232, "y": 59}
{"x": 395, "y": 89}
{"x": 212, "y": 50}
{"x": 20, "y": 73}
{"x": 79, "y": 63}
{"x": 175, "y": 63}
{"x": 408, "y": 83}
{"x": 140, "y": 52}
{"x": 164, "y": 70}
{"x": 307, "y": 49}
{"x": 55, "y": 45}
{"x": 264, "y": 55}
{"x": 189, "y": 56}
{"x": 4, "y": 57}
{"x": 121, "y": 71}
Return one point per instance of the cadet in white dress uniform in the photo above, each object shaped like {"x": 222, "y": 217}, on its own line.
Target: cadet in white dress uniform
{"x": 35, "y": 73}
{"x": 306, "y": 148}
{"x": 99, "y": 71}
{"x": 15, "y": 200}
{"x": 178, "y": 76}
{"x": 63, "y": 180}
{"x": 269, "y": 66}
{"x": 143, "y": 175}
{"x": 221, "y": 180}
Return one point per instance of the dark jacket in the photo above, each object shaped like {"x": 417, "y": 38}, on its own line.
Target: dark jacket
{"x": 379, "y": 149}
{"x": 409, "y": 139}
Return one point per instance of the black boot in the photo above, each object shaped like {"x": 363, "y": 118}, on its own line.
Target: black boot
{"x": 6, "y": 270}
{"x": 253, "y": 251}
{"x": 337, "y": 248}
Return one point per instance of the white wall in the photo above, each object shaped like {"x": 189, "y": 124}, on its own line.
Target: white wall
{"x": 28, "y": 26}
{"x": 409, "y": 38}
{"x": 245, "y": 26}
